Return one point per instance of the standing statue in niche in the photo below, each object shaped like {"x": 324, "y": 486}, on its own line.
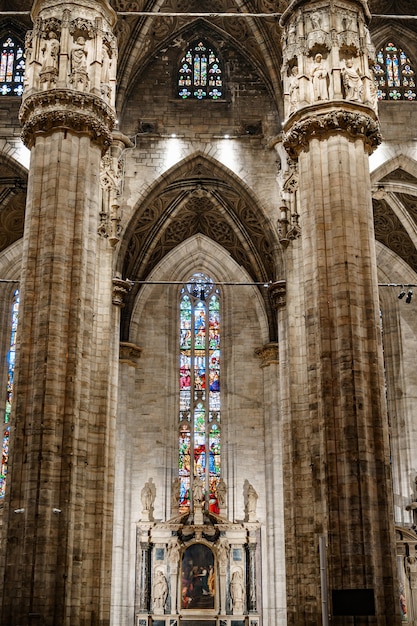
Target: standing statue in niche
{"x": 352, "y": 82}
{"x": 159, "y": 592}
{"x": 294, "y": 90}
{"x": 197, "y": 492}
{"x": 319, "y": 75}
{"x": 79, "y": 56}
{"x": 79, "y": 75}
{"x": 237, "y": 592}
{"x": 50, "y": 51}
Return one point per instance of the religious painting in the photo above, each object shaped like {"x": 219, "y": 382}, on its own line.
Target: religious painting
{"x": 197, "y": 578}
{"x": 402, "y": 585}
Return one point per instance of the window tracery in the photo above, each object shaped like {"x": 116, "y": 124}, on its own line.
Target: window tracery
{"x": 199, "y": 373}
{"x": 394, "y": 74}
{"x": 200, "y": 75}
{"x": 12, "y": 67}
{"x": 11, "y": 357}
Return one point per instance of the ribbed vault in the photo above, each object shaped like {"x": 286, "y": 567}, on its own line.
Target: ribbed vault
{"x": 199, "y": 199}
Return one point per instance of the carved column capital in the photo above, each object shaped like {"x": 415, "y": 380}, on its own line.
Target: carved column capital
{"x": 65, "y": 109}
{"x": 120, "y": 289}
{"x": 269, "y": 353}
{"x": 278, "y": 293}
{"x": 129, "y": 353}
{"x": 321, "y": 125}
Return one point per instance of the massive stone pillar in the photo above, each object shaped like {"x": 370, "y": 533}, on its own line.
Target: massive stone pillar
{"x": 338, "y": 501}
{"x": 57, "y": 547}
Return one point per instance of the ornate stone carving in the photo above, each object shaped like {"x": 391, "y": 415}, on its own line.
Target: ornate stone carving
{"x": 66, "y": 109}
{"x": 120, "y": 289}
{"x": 129, "y": 353}
{"x": 278, "y": 293}
{"x": 269, "y": 353}
{"x": 351, "y": 123}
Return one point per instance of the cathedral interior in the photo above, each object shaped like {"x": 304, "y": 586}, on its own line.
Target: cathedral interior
{"x": 246, "y": 164}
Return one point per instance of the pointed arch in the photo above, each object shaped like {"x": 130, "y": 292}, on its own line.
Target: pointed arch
{"x": 199, "y": 196}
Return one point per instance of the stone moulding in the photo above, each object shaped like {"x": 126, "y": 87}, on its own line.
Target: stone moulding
{"x": 321, "y": 126}
{"x": 66, "y": 109}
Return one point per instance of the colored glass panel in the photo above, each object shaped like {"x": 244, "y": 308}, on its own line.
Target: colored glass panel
{"x": 394, "y": 74}
{"x": 200, "y": 68}
{"x": 12, "y": 68}
{"x": 11, "y": 358}
{"x": 199, "y": 374}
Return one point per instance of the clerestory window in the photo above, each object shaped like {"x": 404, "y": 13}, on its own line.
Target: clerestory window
{"x": 394, "y": 74}
{"x": 12, "y": 67}
{"x": 200, "y": 74}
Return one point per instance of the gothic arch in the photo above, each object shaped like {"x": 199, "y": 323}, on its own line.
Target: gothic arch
{"x": 175, "y": 32}
{"x": 198, "y": 196}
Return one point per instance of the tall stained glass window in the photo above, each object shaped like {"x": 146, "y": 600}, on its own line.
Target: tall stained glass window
{"x": 11, "y": 357}
{"x": 12, "y": 67}
{"x": 200, "y": 75}
{"x": 199, "y": 387}
{"x": 394, "y": 74}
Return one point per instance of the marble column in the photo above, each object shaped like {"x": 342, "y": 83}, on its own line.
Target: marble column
{"x": 337, "y": 481}
{"x": 57, "y": 551}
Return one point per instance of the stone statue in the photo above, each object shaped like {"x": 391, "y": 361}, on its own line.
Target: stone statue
{"x": 173, "y": 552}
{"x": 294, "y": 90}
{"x": 221, "y": 493}
{"x": 50, "y": 50}
{"x": 251, "y": 500}
{"x": 223, "y": 551}
{"x": 175, "y": 493}
{"x": 159, "y": 592}
{"x": 352, "y": 82}
{"x": 315, "y": 18}
{"x": 197, "y": 492}
{"x": 147, "y": 497}
{"x": 319, "y": 76}
{"x": 79, "y": 56}
{"x": 237, "y": 592}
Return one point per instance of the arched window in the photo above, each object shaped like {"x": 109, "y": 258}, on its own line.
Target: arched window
{"x": 394, "y": 74}
{"x": 12, "y": 67}
{"x": 11, "y": 356}
{"x": 199, "y": 374}
{"x": 200, "y": 75}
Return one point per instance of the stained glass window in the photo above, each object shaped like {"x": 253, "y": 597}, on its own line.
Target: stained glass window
{"x": 199, "y": 388}
{"x": 12, "y": 67}
{"x": 200, "y": 74}
{"x": 11, "y": 356}
{"x": 394, "y": 74}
